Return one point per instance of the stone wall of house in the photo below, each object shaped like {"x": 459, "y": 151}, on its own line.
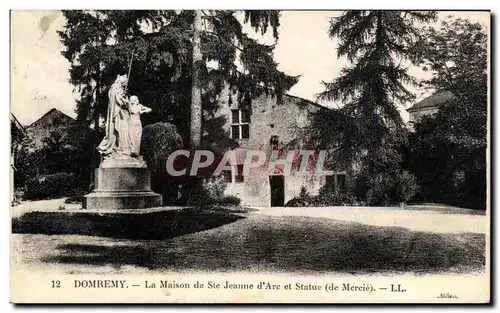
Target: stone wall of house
{"x": 45, "y": 125}
{"x": 267, "y": 119}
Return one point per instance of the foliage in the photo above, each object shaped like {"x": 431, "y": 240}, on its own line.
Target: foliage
{"x": 386, "y": 188}
{"x": 204, "y": 191}
{"x": 457, "y": 57}
{"x": 406, "y": 186}
{"x": 389, "y": 183}
{"x": 335, "y": 132}
{"x": 447, "y": 152}
{"x": 50, "y": 186}
{"x": 303, "y": 193}
{"x": 365, "y": 133}
{"x": 329, "y": 196}
{"x": 28, "y": 163}
{"x": 158, "y": 141}
{"x": 228, "y": 201}
{"x": 304, "y": 199}
{"x": 16, "y": 134}
{"x": 66, "y": 150}
{"x": 75, "y": 196}
{"x": 375, "y": 42}
{"x": 99, "y": 45}
{"x": 448, "y": 155}
{"x": 214, "y": 186}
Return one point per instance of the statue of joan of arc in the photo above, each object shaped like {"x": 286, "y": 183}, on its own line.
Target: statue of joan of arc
{"x": 116, "y": 139}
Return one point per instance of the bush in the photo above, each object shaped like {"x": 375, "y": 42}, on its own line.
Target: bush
{"x": 390, "y": 189}
{"x": 327, "y": 196}
{"x": 158, "y": 141}
{"x": 214, "y": 187}
{"x": 208, "y": 191}
{"x": 406, "y": 186}
{"x": 200, "y": 191}
{"x": 67, "y": 149}
{"x": 50, "y": 186}
{"x": 75, "y": 196}
{"x": 304, "y": 199}
{"x": 330, "y": 197}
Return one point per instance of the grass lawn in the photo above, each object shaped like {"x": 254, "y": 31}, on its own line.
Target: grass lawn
{"x": 229, "y": 241}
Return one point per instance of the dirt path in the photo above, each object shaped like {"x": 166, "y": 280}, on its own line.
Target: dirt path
{"x": 429, "y": 221}
{"x": 41, "y": 206}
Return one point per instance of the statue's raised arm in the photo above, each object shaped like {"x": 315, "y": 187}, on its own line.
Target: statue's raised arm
{"x": 115, "y": 117}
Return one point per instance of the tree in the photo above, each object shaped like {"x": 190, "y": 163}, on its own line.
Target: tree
{"x": 447, "y": 152}
{"x": 456, "y": 55}
{"x": 376, "y": 43}
{"x": 182, "y": 61}
{"x": 196, "y": 104}
{"x": 63, "y": 155}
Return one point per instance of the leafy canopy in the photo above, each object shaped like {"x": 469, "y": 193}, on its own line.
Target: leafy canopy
{"x": 365, "y": 134}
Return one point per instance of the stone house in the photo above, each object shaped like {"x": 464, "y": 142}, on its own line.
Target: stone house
{"x": 272, "y": 127}
{"x": 61, "y": 130}
{"x": 18, "y": 134}
{"x": 429, "y": 105}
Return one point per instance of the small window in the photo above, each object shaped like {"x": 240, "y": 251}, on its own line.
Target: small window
{"x": 299, "y": 161}
{"x": 330, "y": 181}
{"x": 235, "y": 131}
{"x": 235, "y": 118}
{"x": 245, "y": 131}
{"x": 245, "y": 116}
{"x": 341, "y": 181}
{"x": 336, "y": 182}
{"x": 239, "y": 174}
{"x": 274, "y": 142}
{"x": 240, "y": 124}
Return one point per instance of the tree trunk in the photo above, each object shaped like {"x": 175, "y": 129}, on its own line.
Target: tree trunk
{"x": 196, "y": 112}
{"x": 94, "y": 162}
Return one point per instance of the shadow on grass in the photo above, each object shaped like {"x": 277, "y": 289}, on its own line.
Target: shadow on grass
{"x": 152, "y": 226}
{"x": 116, "y": 256}
{"x": 292, "y": 244}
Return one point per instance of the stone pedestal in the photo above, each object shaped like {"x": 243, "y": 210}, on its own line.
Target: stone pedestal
{"x": 122, "y": 186}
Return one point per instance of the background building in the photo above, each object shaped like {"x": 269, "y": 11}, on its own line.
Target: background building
{"x": 44, "y": 127}
{"x": 267, "y": 125}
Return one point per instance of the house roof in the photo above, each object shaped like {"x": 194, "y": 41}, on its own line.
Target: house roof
{"x": 433, "y": 101}
{"x": 305, "y": 101}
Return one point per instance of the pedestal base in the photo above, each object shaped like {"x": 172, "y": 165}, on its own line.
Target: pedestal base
{"x": 121, "y": 188}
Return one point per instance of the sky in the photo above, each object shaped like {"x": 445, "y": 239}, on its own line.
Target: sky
{"x": 40, "y": 77}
